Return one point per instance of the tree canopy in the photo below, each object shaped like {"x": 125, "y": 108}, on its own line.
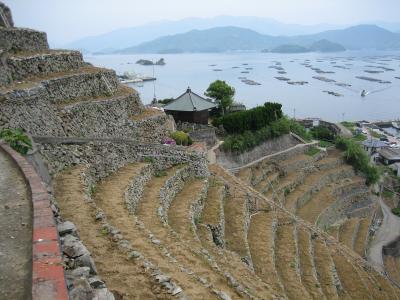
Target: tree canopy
{"x": 222, "y": 93}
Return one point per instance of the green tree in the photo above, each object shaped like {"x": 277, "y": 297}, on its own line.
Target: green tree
{"x": 222, "y": 93}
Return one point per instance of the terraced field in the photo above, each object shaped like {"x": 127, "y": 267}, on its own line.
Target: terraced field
{"x": 267, "y": 253}
{"x": 318, "y": 189}
{"x": 161, "y": 224}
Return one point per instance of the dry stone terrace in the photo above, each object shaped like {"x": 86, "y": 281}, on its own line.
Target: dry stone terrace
{"x": 140, "y": 220}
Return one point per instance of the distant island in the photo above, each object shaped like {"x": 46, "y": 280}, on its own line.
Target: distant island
{"x": 318, "y": 46}
{"x": 231, "y": 38}
{"x": 145, "y": 62}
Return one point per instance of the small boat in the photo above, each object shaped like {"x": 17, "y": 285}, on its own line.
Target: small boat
{"x": 363, "y": 93}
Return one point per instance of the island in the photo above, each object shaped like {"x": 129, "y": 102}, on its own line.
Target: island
{"x": 145, "y": 62}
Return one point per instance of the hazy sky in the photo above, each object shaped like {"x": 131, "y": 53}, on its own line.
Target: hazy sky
{"x": 67, "y": 20}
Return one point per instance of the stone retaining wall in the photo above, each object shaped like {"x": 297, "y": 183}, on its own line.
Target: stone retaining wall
{"x": 172, "y": 186}
{"x": 134, "y": 193}
{"x": 90, "y": 83}
{"x": 20, "y": 67}
{"x": 105, "y": 157}
{"x": 348, "y": 199}
{"x": 323, "y": 181}
{"x": 232, "y": 160}
{"x": 22, "y": 39}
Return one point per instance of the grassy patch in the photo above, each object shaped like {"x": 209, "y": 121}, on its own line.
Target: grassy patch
{"x": 349, "y": 125}
{"x": 359, "y": 138}
{"x": 312, "y": 151}
{"x": 396, "y": 211}
{"x": 160, "y": 173}
{"x": 387, "y": 194}
{"x": 325, "y": 144}
{"x": 375, "y": 134}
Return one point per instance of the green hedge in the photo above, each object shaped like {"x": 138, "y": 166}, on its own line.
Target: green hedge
{"x": 250, "y": 120}
{"x": 250, "y": 139}
{"x": 358, "y": 158}
{"x": 323, "y": 133}
{"x": 181, "y": 138}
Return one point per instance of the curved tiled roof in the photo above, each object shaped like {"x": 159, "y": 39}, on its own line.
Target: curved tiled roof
{"x": 190, "y": 101}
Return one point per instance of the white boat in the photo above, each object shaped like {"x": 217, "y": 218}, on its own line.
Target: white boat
{"x": 396, "y": 125}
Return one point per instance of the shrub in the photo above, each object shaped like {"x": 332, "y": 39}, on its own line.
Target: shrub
{"x": 17, "y": 139}
{"x": 250, "y": 120}
{"x": 358, "y": 158}
{"x": 322, "y": 133}
{"x": 181, "y": 138}
{"x": 387, "y": 194}
{"x": 300, "y": 130}
{"x": 396, "y": 211}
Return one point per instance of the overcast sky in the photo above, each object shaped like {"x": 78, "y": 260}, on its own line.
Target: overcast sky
{"x": 67, "y": 20}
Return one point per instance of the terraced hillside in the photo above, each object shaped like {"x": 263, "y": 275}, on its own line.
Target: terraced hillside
{"x": 320, "y": 189}
{"x": 76, "y": 98}
{"x": 157, "y": 222}
{"x": 210, "y": 236}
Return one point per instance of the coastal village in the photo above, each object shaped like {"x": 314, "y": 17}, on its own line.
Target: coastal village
{"x": 193, "y": 197}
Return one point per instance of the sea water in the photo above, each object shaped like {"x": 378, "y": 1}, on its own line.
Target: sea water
{"x": 382, "y": 101}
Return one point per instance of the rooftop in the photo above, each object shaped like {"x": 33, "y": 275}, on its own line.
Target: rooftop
{"x": 190, "y": 101}
{"x": 390, "y": 153}
{"x": 374, "y": 144}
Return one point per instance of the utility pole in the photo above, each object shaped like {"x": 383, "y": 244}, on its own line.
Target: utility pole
{"x": 154, "y": 85}
{"x": 294, "y": 113}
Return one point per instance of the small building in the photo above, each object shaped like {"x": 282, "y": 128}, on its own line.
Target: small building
{"x": 372, "y": 146}
{"x": 390, "y": 156}
{"x": 190, "y": 107}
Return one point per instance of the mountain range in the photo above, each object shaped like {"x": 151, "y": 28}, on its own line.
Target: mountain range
{"x": 221, "y": 39}
{"x": 128, "y": 37}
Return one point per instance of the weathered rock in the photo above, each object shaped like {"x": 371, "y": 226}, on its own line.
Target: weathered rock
{"x": 86, "y": 261}
{"x": 67, "y": 227}
{"x": 134, "y": 255}
{"x": 81, "y": 290}
{"x": 73, "y": 247}
{"x": 96, "y": 283}
{"x": 103, "y": 294}
{"x": 6, "y": 19}
{"x": 81, "y": 272}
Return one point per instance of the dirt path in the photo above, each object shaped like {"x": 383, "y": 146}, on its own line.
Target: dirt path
{"x": 122, "y": 276}
{"x": 388, "y": 232}
{"x": 15, "y": 233}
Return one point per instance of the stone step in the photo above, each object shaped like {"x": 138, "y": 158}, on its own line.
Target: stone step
{"x": 313, "y": 183}
{"x": 63, "y": 86}
{"x": 308, "y": 271}
{"x": 22, "y": 39}
{"x": 392, "y": 267}
{"x": 287, "y": 259}
{"x": 348, "y": 231}
{"x": 261, "y": 239}
{"x": 21, "y": 66}
{"x": 351, "y": 281}
{"x": 360, "y": 241}
{"x": 326, "y": 271}
{"x": 152, "y": 212}
{"x": 236, "y": 223}
{"x": 298, "y": 162}
{"x": 213, "y": 212}
{"x": 264, "y": 185}
{"x": 185, "y": 209}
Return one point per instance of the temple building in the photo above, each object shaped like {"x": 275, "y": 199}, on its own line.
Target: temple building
{"x": 190, "y": 107}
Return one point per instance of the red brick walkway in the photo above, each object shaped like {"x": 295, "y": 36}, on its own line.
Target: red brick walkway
{"x": 48, "y": 281}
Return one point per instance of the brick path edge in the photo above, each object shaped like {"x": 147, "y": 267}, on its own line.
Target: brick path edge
{"x": 48, "y": 280}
